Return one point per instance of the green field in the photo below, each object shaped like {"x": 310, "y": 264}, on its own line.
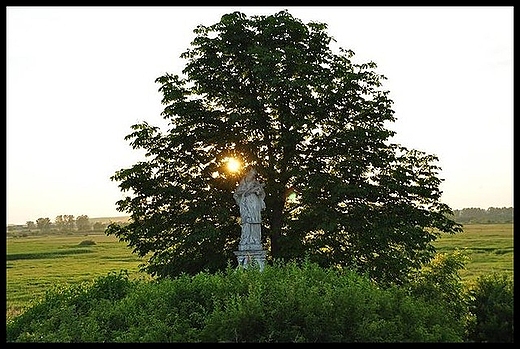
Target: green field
{"x": 37, "y": 263}
{"x": 488, "y": 246}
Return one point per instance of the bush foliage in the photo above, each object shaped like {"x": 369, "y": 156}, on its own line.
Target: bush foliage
{"x": 291, "y": 303}
{"x": 492, "y": 307}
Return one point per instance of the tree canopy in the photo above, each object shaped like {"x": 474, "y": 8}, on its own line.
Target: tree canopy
{"x": 271, "y": 92}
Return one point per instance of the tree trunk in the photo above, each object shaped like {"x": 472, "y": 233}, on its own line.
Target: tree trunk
{"x": 276, "y": 226}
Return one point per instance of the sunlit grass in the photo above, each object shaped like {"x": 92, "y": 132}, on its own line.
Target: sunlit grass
{"x": 36, "y": 264}
{"x": 489, "y": 247}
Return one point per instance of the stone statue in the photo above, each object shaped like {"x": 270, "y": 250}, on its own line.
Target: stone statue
{"x": 249, "y": 196}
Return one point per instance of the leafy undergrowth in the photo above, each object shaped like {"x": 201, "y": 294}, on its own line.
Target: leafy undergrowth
{"x": 288, "y": 303}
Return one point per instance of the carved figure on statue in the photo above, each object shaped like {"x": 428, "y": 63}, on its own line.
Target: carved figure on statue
{"x": 250, "y": 196}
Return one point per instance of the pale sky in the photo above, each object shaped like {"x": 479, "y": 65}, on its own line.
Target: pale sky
{"x": 79, "y": 77}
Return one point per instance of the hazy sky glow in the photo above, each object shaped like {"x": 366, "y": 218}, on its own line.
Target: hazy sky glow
{"x": 79, "y": 77}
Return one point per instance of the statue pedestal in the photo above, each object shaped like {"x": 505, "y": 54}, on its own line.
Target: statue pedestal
{"x": 251, "y": 257}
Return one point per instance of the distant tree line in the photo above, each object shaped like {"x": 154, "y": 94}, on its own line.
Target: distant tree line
{"x": 474, "y": 215}
{"x": 61, "y": 224}
{"x": 64, "y": 223}
{"x": 67, "y": 223}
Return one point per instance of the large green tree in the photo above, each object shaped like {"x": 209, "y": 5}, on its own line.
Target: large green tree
{"x": 271, "y": 91}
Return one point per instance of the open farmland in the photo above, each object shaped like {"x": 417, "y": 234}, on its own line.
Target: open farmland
{"x": 488, "y": 246}
{"x": 38, "y": 263}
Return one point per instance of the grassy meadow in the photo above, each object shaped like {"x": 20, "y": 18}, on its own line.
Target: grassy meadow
{"x": 38, "y": 263}
{"x": 488, "y": 246}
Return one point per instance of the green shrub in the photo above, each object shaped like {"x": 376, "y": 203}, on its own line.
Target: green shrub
{"x": 492, "y": 307}
{"x": 63, "y": 313}
{"x": 290, "y": 303}
{"x": 87, "y": 243}
{"x": 439, "y": 281}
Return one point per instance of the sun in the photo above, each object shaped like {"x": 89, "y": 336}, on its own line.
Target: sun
{"x": 233, "y": 165}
